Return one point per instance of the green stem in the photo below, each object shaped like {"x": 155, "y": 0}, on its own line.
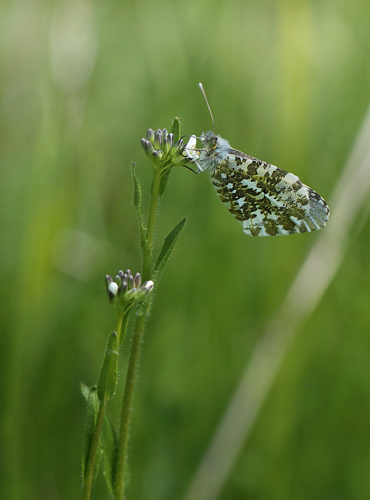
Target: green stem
{"x": 121, "y": 326}
{"x": 86, "y": 492}
{"x": 148, "y": 251}
{"x": 119, "y": 483}
{"x": 119, "y": 320}
{"x": 127, "y": 405}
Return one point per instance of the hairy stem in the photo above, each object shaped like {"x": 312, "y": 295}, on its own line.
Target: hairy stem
{"x": 148, "y": 251}
{"x": 127, "y": 405}
{"x": 86, "y": 491}
{"x": 143, "y": 314}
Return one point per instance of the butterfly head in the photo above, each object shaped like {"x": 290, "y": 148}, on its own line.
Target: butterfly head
{"x": 209, "y": 141}
{"x": 215, "y": 148}
{"x": 212, "y": 152}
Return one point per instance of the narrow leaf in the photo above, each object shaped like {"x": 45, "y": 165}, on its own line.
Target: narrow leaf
{"x": 91, "y": 397}
{"x": 137, "y": 204}
{"x": 109, "y": 441}
{"x": 137, "y": 190}
{"x": 163, "y": 183}
{"x": 176, "y": 129}
{"x": 168, "y": 246}
{"x": 85, "y": 391}
{"x": 109, "y": 373}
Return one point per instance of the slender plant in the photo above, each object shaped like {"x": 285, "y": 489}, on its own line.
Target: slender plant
{"x": 102, "y": 442}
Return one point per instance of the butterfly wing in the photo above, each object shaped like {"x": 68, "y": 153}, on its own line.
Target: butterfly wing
{"x": 266, "y": 199}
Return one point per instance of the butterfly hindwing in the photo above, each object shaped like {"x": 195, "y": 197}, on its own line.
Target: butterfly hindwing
{"x": 266, "y": 199}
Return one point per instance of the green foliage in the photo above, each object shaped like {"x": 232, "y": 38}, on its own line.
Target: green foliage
{"x": 92, "y": 408}
{"x": 137, "y": 191}
{"x": 288, "y": 82}
{"x": 109, "y": 447}
{"x": 137, "y": 205}
{"x": 164, "y": 181}
{"x": 176, "y": 128}
{"x": 176, "y": 131}
{"x": 167, "y": 248}
{"x": 109, "y": 373}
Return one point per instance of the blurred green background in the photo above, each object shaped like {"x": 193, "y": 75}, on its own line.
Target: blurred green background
{"x": 81, "y": 81}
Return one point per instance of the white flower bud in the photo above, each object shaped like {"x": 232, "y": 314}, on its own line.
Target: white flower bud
{"x": 112, "y": 288}
{"x": 147, "y": 286}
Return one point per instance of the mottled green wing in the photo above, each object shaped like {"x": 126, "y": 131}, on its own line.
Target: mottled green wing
{"x": 266, "y": 199}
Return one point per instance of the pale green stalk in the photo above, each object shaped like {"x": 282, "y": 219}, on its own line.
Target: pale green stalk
{"x": 122, "y": 317}
{"x": 119, "y": 483}
{"x": 148, "y": 254}
{"x": 86, "y": 491}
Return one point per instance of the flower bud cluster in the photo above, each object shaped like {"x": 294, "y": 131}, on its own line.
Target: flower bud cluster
{"x": 160, "y": 147}
{"x": 126, "y": 288}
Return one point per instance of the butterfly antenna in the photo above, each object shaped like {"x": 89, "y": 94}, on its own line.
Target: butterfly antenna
{"x": 208, "y": 106}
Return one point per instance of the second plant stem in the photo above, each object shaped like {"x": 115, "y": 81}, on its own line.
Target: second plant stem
{"x": 148, "y": 250}
{"x": 86, "y": 493}
{"x": 119, "y": 483}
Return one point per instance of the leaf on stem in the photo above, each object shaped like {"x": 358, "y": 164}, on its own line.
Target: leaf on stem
{"x": 91, "y": 396}
{"x": 109, "y": 441}
{"x": 137, "y": 204}
{"x": 176, "y": 128}
{"x": 85, "y": 390}
{"x": 168, "y": 246}
{"x": 163, "y": 183}
{"x": 137, "y": 191}
{"x": 109, "y": 374}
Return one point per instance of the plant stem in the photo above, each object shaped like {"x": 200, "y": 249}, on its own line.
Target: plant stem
{"x": 86, "y": 492}
{"x": 148, "y": 251}
{"x": 127, "y": 404}
{"x": 121, "y": 326}
{"x": 136, "y": 345}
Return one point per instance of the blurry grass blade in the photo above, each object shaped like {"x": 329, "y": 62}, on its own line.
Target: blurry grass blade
{"x": 168, "y": 246}
{"x": 109, "y": 455}
{"x": 176, "y": 129}
{"x": 91, "y": 397}
{"x": 308, "y": 288}
{"x": 163, "y": 184}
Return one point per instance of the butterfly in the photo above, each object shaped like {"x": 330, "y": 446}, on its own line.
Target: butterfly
{"x": 265, "y": 199}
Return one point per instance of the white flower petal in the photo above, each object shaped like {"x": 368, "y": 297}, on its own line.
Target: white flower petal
{"x": 190, "y": 148}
